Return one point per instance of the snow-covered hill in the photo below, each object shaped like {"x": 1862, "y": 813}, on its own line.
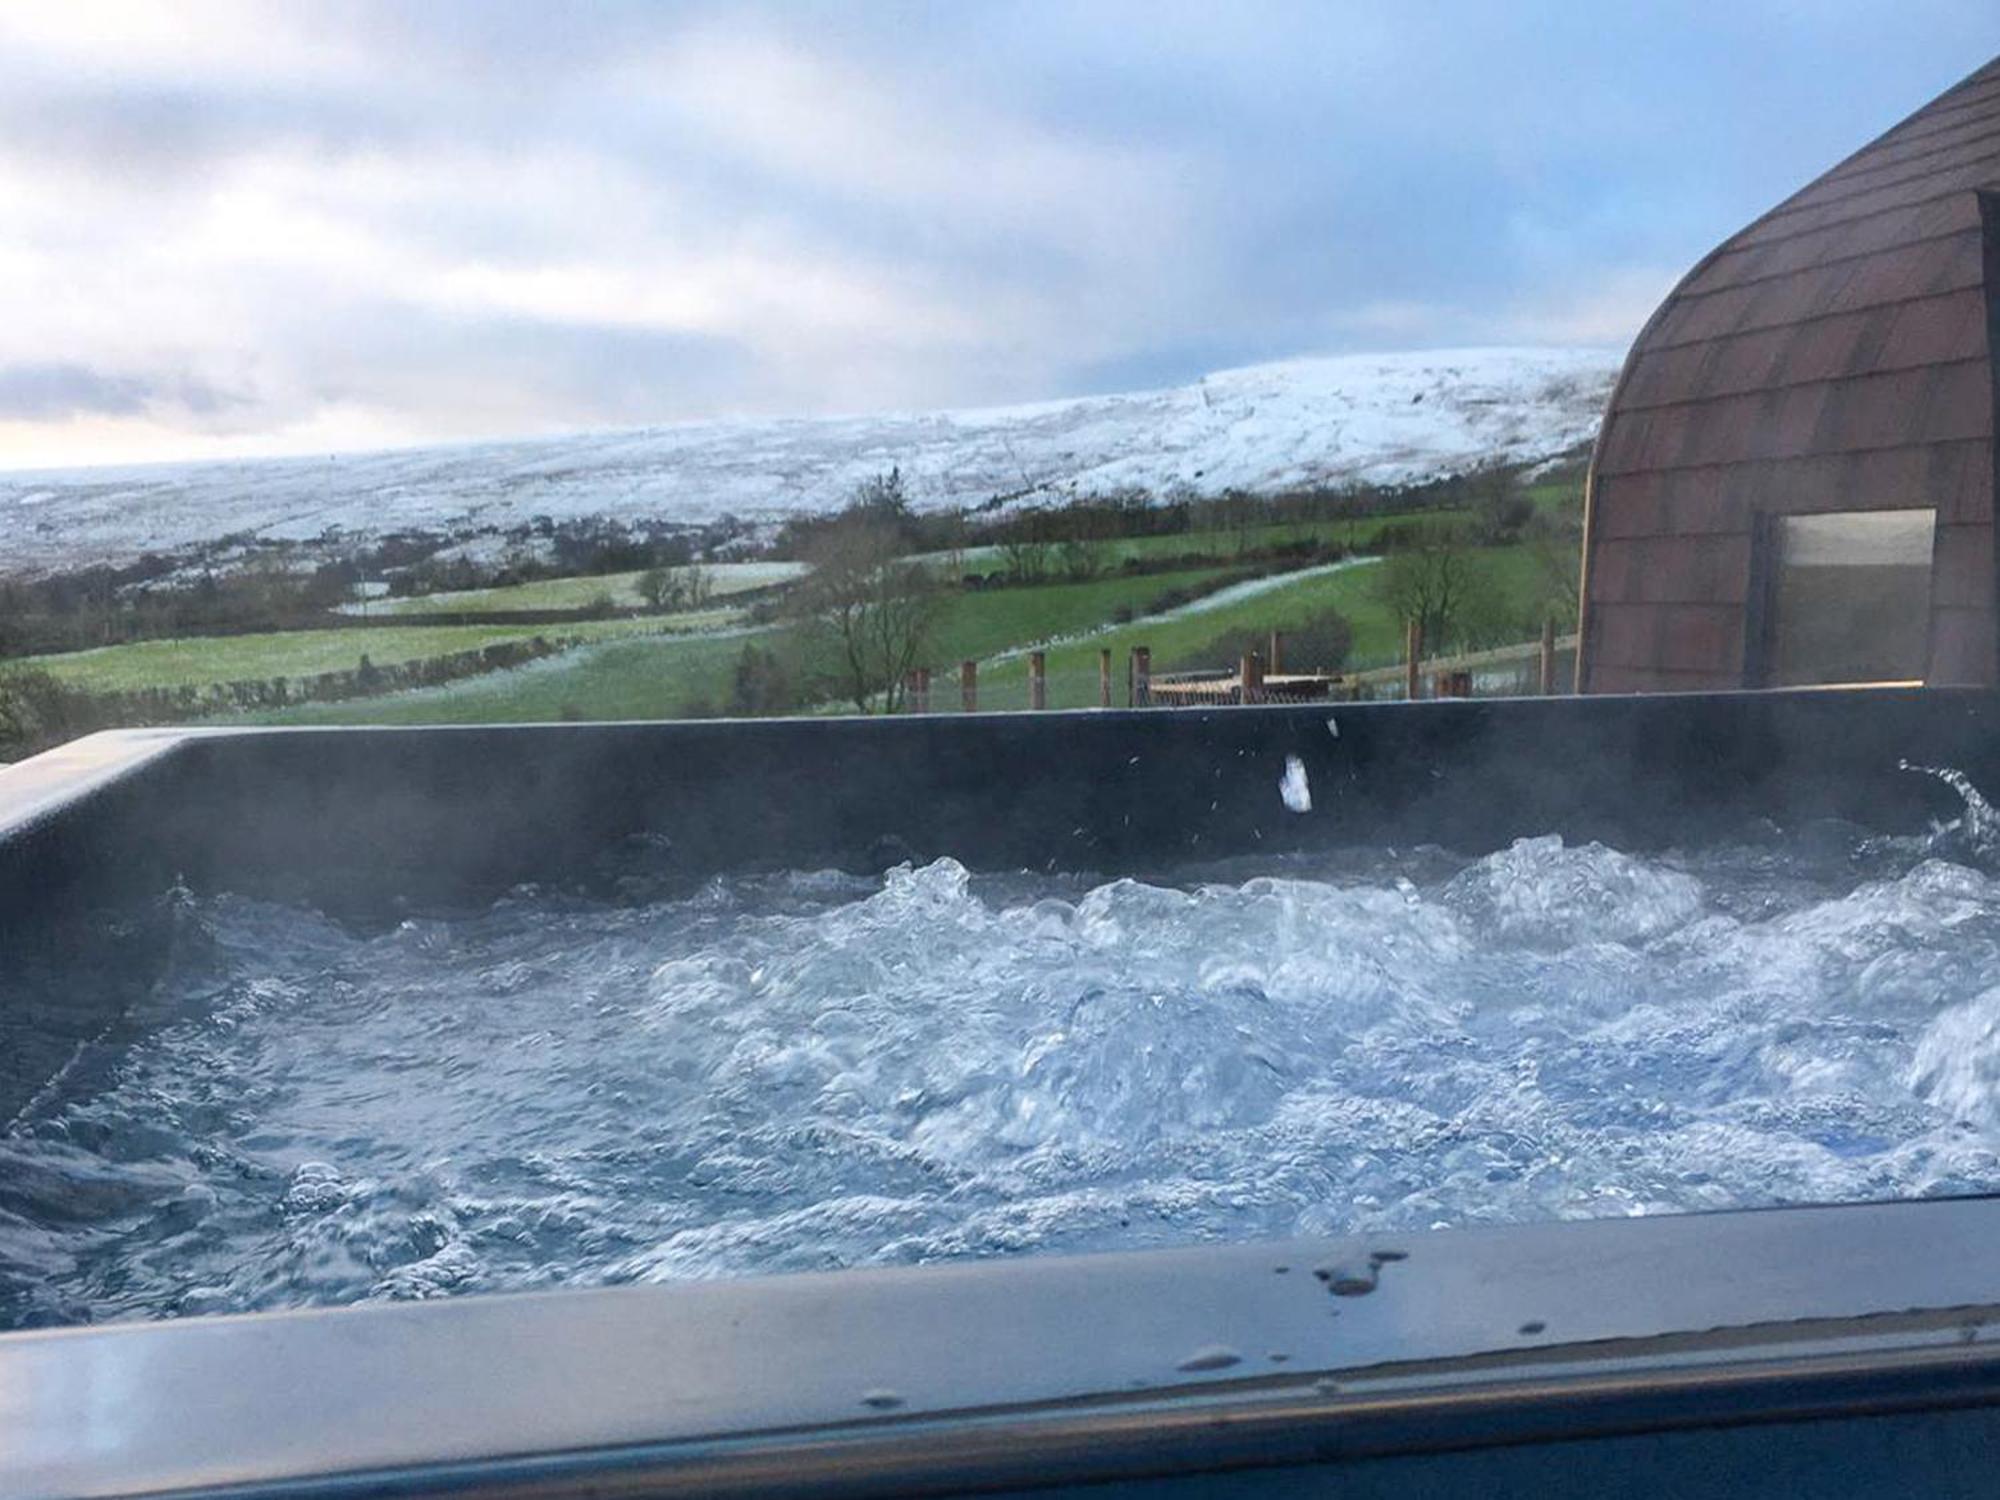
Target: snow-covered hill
{"x": 1385, "y": 417}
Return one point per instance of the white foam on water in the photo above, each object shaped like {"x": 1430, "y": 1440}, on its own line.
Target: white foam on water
{"x": 818, "y": 1070}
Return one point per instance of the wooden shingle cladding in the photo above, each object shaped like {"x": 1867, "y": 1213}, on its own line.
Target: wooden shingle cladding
{"x": 1835, "y": 355}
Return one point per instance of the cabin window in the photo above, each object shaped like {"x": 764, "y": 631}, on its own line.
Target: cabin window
{"x": 1850, "y": 597}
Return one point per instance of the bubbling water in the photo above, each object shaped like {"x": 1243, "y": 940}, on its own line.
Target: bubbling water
{"x": 816, "y": 1070}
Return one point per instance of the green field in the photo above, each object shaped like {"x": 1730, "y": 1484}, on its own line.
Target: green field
{"x": 648, "y": 677}
{"x": 618, "y": 590}
{"x": 1189, "y": 640}
{"x": 200, "y": 660}
{"x": 1552, "y": 494}
{"x": 1356, "y": 534}
{"x": 666, "y": 666}
{"x": 1184, "y": 642}
{"x": 977, "y": 624}
{"x": 666, "y": 677}
{"x": 1113, "y": 552}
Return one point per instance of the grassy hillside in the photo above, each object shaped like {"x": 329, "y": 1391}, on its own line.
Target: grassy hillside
{"x": 1183, "y": 641}
{"x": 667, "y": 677}
{"x": 658, "y": 677}
{"x": 200, "y": 660}
{"x": 1113, "y": 552}
{"x": 1192, "y": 639}
{"x": 662, "y": 666}
{"x": 1356, "y": 534}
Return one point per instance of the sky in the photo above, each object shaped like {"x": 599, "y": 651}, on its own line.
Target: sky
{"x": 243, "y": 229}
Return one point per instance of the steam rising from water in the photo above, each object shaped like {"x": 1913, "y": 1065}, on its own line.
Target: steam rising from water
{"x": 816, "y": 1070}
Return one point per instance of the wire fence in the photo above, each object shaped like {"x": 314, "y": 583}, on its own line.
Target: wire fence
{"x": 1030, "y": 681}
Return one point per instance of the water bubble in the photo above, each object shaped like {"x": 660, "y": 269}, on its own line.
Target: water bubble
{"x": 316, "y": 1186}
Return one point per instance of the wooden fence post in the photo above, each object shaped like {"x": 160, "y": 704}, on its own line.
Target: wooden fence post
{"x": 968, "y": 686}
{"x": 1413, "y": 653}
{"x": 1548, "y": 656}
{"x": 1277, "y": 666}
{"x": 1038, "y": 682}
{"x": 1104, "y": 677}
{"x": 1142, "y": 677}
{"x": 1250, "y": 679}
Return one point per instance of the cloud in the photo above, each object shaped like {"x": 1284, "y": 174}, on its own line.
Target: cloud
{"x": 1608, "y": 308}
{"x": 58, "y": 392}
{"x": 232, "y": 227}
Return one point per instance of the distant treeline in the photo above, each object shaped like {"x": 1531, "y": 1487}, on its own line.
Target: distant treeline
{"x": 1064, "y": 519}
{"x": 103, "y": 606}
{"x": 240, "y": 585}
{"x": 544, "y": 548}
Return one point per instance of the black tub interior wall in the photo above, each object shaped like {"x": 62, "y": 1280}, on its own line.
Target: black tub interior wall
{"x": 366, "y": 822}
{"x": 356, "y": 815}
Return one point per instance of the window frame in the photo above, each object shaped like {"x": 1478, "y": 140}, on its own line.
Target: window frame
{"x": 1761, "y": 618}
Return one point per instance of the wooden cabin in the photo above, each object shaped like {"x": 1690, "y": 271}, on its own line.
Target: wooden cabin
{"x": 1794, "y": 481}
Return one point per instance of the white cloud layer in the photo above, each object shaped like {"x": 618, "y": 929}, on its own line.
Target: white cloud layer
{"x": 234, "y": 228}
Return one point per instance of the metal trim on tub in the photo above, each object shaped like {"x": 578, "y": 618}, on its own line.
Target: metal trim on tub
{"x": 1164, "y": 1440}
{"x": 1128, "y": 1363}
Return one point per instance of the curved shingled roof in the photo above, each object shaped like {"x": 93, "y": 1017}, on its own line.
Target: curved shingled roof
{"x": 1833, "y": 355}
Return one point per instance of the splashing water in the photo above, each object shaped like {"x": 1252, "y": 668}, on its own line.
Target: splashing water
{"x": 1293, "y": 788}
{"x": 1976, "y": 831}
{"x": 818, "y": 1070}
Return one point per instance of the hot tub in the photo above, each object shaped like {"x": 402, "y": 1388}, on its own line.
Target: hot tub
{"x": 1796, "y": 1348}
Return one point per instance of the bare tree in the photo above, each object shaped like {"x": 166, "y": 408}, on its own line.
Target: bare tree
{"x": 1026, "y": 557}
{"x": 688, "y": 587}
{"x": 876, "y": 605}
{"x": 1082, "y": 559}
{"x": 1030, "y": 546}
{"x": 1437, "y": 581}
{"x": 1499, "y": 509}
{"x": 658, "y": 588}
{"x": 699, "y": 585}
